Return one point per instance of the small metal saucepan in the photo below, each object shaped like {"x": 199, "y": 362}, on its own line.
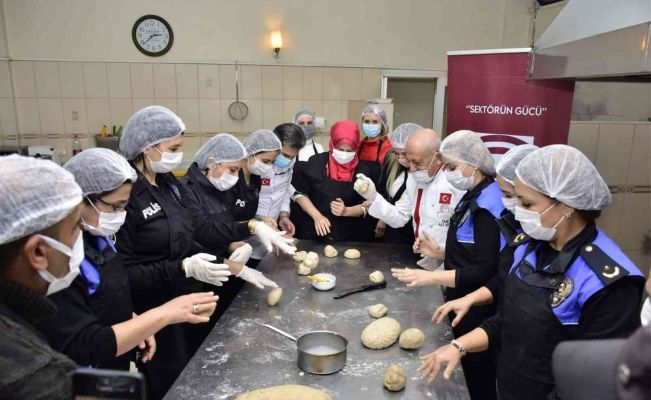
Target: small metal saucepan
{"x": 319, "y": 352}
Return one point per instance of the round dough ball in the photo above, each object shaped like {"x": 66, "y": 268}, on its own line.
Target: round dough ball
{"x": 363, "y": 186}
{"x": 273, "y": 297}
{"x": 330, "y": 251}
{"x": 377, "y": 310}
{"x": 285, "y": 392}
{"x": 312, "y": 255}
{"x": 381, "y": 333}
{"x": 311, "y": 262}
{"x": 411, "y": 339}
{"x": 395, "y": 378}
{"x": 300, "y": 256}
{"x": 352, "y": 253}
{"x": 376, "y": 277}
{"x": 304, "y": 270}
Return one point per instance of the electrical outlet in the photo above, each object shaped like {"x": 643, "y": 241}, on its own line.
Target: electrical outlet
{"x": 75, "y": 116}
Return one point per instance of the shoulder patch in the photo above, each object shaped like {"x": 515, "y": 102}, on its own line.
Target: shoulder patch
{"x": 603, "y": 266}
{"x": 521, "y": 238}
{"x": 564, "y": 291}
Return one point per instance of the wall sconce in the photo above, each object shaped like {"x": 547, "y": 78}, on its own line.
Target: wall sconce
{"x": 276, "y": 43}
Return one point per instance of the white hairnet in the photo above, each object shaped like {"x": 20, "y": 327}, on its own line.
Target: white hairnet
{"x": 402, "y": 133}
{"x": 99, "y": 170}
{"x": 301, "y": 112}
{"x": 467, "y": 147}
{"x": 377, "y": 110}
{"x": 149, "y": 127}
{"x": 262, "y": 140}
{"x": 510, "y": 160}
{"x": 565, "y": 174}
{"x": 36, "y": 194}
{"x": 220, "y": 148}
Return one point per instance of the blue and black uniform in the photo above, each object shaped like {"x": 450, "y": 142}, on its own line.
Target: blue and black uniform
{"x": 588, "y": 290}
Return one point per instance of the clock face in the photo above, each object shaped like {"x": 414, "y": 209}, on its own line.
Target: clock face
{"x": 152, "y": 35}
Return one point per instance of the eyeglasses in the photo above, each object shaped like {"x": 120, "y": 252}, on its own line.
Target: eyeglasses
{"x": 113, "y": 207}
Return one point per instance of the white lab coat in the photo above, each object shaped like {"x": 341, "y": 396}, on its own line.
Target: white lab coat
{"x": 437, "y": 205}
{"x": 275, "y": 193}
{"x": 308, "y": 150}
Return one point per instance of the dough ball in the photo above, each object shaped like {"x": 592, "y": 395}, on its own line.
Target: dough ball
{"x": 273, "y": 297}
{"x": 381, "y": 333}
{"x": 395, "y": 378}
{"x": 377, "y": 310}
{"x": 300, "y": 256}
{"x": 330, "y": 251}
{"x": 376, "y": 277}
{"x": 311, "y": 263}
{"x": 352, "y": 253}
{"x": 285, "y": 392}
{"x": 304, "y": 270}
{"x": 411, "y": 339}
{"x": 363, "y": 187}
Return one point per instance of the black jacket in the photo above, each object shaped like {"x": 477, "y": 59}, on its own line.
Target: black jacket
{"x": 29, "y": 368}
{"x": 406, "y": 233}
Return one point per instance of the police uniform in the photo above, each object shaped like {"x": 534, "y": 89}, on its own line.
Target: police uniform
{"x": 472, "y": 249}
{"x": 95, "y": 301}
{"x": 589, "y": 290}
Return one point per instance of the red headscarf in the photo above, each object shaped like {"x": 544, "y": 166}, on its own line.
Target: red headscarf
{"x": 343, "y": 132}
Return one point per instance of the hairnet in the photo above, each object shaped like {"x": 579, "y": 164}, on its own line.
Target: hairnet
{"x": 262, "y": 140}
{"x": 401, "y": 134}
{"x": 220, "y": 148}
{"x": 301, "y": 112}
{"x": 565, "y": 174}
{"x": 36, "y": 194}
{"x": 510, "y": 160}
{"x": 467, "y": 147}
{"x": 149, "y": 127}
{"x": 99, "y": 170}
{"x": 377, "y": 110}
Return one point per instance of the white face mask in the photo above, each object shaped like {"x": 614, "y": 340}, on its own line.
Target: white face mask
{"x": 343, "y": 157}
{"x": 76, "y": 255}
{"x": 459, "y": 181}
{"x": 510, "y": 203}
{"x": 224, "y": 182}
{"x": 532, "y": 224}
{"x": 168, "y": 162}
{"x": 108, "y": 223}
{"x": 422, "y": 177}
{"x": 259, "y": 168}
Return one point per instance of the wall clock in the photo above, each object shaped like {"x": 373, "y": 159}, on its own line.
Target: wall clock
{"x": 152, "y": 35}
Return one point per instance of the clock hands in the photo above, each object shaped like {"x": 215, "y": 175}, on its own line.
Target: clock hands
{"x": 153, "y": 35}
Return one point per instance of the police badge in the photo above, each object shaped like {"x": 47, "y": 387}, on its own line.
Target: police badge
{"x": 564, "y": 290}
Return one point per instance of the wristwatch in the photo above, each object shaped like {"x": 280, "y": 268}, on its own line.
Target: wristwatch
{"x": 251, "y": 226}
{"x": 459, "y": 347}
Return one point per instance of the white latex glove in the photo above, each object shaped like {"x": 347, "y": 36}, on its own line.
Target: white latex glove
{"x": 365, "y": 187}
{"x": 270, "y": 238}
{"x": 200, "y": 268}
{"x": 256, "y": 277}
{"x": 242, "y": 254}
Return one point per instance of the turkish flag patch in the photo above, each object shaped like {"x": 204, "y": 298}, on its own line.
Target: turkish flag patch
{"x": 266, "y": 182}
{"x": 445, "y": 198}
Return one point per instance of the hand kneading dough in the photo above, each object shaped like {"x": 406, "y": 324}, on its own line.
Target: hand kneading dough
{"x": 394, "y": 378}
{"x": 304, "y": 270}
{"x": 274, "y": 296}
{"x": 352, "y": 253}
{"x": 285, "y": 392}
{"x": 381, "y": 334}
{"x": 377, "y": 310}
{"x": 411, "y": 339}
{"x": 376, "y": 277}
{"x": 330, "y": 251}
{"x": 300, "y": 256}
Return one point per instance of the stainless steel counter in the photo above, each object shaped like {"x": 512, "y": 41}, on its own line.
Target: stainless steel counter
{"x": 239, "y": 355}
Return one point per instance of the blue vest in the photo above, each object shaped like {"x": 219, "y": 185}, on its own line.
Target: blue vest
{"x": 88, "y": 270}
{"x": 586, "y": 276}
{"x": 490, "y": 199}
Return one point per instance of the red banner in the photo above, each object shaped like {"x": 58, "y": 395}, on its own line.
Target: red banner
{"x": 489, "y": 93}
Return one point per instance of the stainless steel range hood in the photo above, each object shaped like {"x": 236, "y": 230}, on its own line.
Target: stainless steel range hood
{"x": 596, "y": 40}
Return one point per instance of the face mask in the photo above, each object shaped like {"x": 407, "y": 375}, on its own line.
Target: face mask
{"x": 422, "y": 176}
{"x": 308, "y": 130}
{"x": 459, "y": 181}
{"x": 224, "y": 182}
{"x": 510, "y": 203}
{"x": 168, "y": 162}
{"x": 259, "y": 168}
{"x": 283, "y": 162}
{"x": 371, "y": 130}
{"x": 404, "y": 162}
{"x": 343, "y": 157}
{"x": 532, "y": 225}
{"x": 76, "y": 255}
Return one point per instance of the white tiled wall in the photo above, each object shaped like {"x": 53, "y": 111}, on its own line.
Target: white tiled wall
{"x": 47, "y": 94}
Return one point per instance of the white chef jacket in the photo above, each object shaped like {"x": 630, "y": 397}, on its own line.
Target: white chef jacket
{"x": 311, "y": 148}
{"x": 437, "y": 204}
{"x": 275, "y": 192}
